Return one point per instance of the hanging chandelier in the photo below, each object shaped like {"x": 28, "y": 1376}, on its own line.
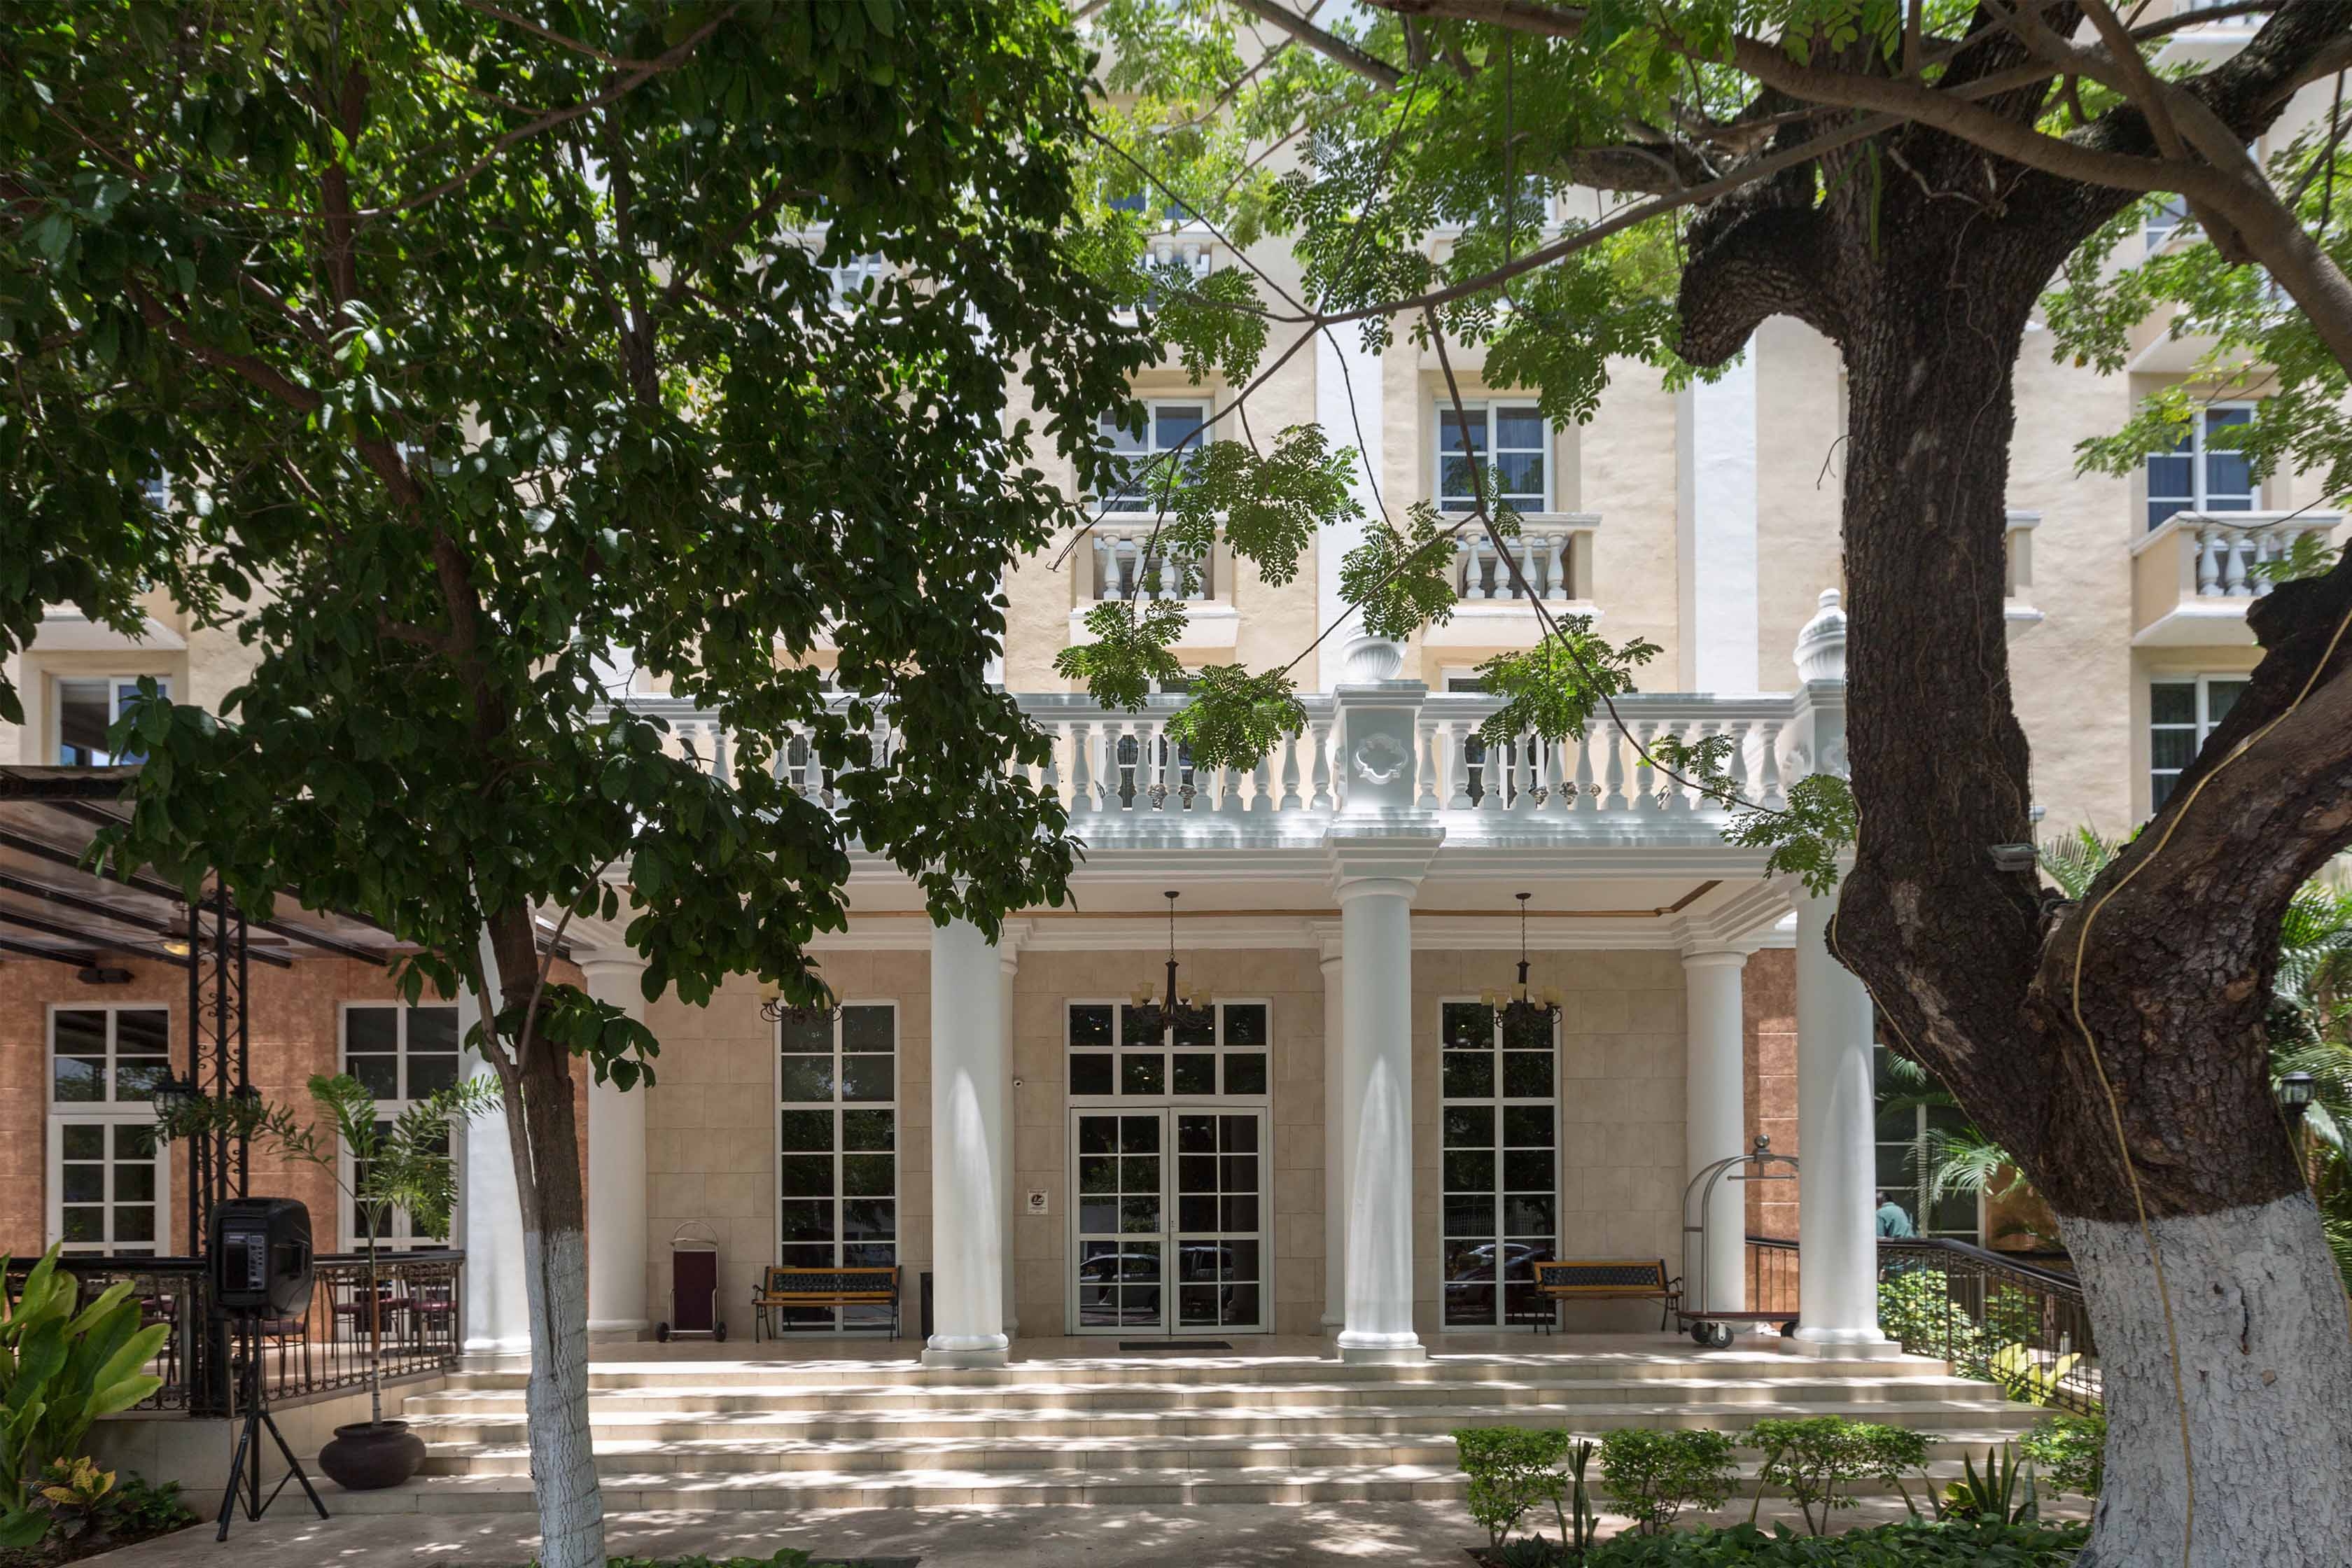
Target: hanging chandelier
{"x": 1522, "y": 1009}
{"x": 1172, "y": 1006}
{"x": 776, "y": 1010}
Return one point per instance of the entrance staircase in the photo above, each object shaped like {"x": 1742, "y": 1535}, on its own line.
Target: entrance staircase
{"x": 1241, "y": 1428}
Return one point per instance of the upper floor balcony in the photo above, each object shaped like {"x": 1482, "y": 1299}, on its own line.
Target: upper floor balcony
{"x": 2194, "y": 573}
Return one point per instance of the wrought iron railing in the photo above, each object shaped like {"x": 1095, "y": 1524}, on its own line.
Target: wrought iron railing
{"x": 419, "y": 1312}
{"x": 1989, "y": 1314}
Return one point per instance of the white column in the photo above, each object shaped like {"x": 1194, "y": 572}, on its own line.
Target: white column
{"x": 1837, "y": 1238}
{"x": 1715, "y": 516}
{"x": 1715, "y": 1123}
{"x": 1008, "y": 956}
{"x": 617, "y": 1258}
{"x": 497, "y": 1311}
{"x": 1336, "y": 1143}
{"x": 969, "y": 1157}
{"x": 1376, "y": 1016}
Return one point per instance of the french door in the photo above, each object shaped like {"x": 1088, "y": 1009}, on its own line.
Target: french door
{"x": 1170, "y": 1222}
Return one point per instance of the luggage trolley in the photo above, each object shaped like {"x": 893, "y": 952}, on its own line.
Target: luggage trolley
{"x": 693, "y": 1286}
{"x": 1714, "y": 1329}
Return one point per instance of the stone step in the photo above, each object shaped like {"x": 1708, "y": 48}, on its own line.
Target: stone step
{"x": 637, "y": 1491}
{"x": 657, "y": 1424}
{"x": 1882, "y": 1389}
{"x": 1160, "y": 1370}
{"x": 488, "y": 1457}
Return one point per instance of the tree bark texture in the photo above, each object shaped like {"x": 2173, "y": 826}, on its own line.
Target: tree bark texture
{"x": 544, "y": 1135}
{"x": 2116, "y": 1047}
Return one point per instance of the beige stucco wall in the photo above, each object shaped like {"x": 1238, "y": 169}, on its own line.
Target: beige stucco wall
{"x": 711, "y": 1115}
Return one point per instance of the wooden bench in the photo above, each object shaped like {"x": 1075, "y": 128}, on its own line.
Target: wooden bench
{"x": 782, "y": 1288}
{"x": 1610, "y": 1279}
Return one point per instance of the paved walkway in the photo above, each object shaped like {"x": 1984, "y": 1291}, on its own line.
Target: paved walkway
{"x": 1334, "y": 1535}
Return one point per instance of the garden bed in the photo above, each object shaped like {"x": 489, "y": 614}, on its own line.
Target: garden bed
{"x": 1911, "y": 1544}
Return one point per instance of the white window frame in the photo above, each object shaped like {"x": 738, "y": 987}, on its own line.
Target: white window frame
{"x": 1498, "y": 1101}
{"x": 116, "y": 681}
{"x": 1441, "y": 450}
{"x": 1168, "y": 1050}
{"x": 1151, "y": 447}
{"x": 400, "y": 1233}
{"x": 837, "y": 1107}
{"x": 2201, "y": 497}
{"x": 2203, "y": 726}
{"x": 106, "y": 1114}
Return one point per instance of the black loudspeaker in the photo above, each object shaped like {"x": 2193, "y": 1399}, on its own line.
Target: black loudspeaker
{"x": 260, "y": 1253}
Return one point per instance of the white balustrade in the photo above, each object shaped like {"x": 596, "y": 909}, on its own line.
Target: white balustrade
{"x": 1106, "y": 763}
{"x": 1544, "y": 554}
{"x": 1127, "y": 563}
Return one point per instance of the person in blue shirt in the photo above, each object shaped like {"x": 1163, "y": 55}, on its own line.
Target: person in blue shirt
{"x": 1893, "y": 1224}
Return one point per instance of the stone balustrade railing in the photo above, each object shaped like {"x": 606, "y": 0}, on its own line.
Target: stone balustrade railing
{"x": 2194, "y": 573}
{"x": 1108, "y": 764}
{"x": 1127, "y": 565}
{"x": 1553, "y": 553}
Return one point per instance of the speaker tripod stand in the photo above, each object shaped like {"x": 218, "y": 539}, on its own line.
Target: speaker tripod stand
{"x": 255, "y": 1394}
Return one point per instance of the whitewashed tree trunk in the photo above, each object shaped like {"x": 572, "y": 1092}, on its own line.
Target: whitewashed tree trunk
{"x": 562, "y": 1456}
{"x": 2265, "y": 1365}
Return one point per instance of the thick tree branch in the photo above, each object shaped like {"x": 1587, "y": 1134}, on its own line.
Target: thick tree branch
{"x": 1327, "y": 44}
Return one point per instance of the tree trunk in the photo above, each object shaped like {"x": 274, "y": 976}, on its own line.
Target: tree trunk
{"x": 2265, "y": 1367}
{"x": 1975, "y": 972}
{"x": 544, "y": 1135}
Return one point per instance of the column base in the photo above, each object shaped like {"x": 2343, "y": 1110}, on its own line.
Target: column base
{"x": 1381, "y": 1350}
{"x": 1845, "y": 1344}
{"x": 494, "y": 1356}
{"x": 618, "y": 1331}
{"x": 957, "y": 1352}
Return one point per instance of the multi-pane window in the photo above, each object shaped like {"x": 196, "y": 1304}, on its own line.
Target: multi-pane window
{"x": 109, "y": 1056}
{"x": 107, "y": 1173}
{"x": 2182, "y": 715}
{"x": 1113, "y": 1052}
{"x": 399, "y": 1055}
{"x": 1906, "y": 1118}
{"x": 88, "y": 707}
{"x": 107, "y": 1178}
{"x": 1159, "y": 461}
{"x": 1509, "y": 440}
{"x": 1499, "y": 1117}
{"x": 2206, "y": 472}
{"x": 837, "y": 1150}
{"x": 2168, "y": 215}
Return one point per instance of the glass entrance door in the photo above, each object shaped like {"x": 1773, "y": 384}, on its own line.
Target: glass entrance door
{"x": 1170, "y": 1221}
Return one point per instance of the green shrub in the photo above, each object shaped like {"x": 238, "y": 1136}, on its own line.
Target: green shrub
{"x": 1652, "y": 1475}
{"x": 137, "y": 1509}
{"x": 2004, "y": 1493}
{"x": 2071, "y": 1451}
{"x": 1511, "y": 1469}
{"x": 1913, "y": 1311}
{"x": 1914, "y": 1544}
{"x": 1812, "y": 1459}
{"x": 62, "y": 1366}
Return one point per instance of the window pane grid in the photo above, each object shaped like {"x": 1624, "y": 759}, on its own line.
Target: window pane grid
{"x": 1111, "y": 1054}
{"x": 2205, "y": 470}
{"x": 2182, "y": 716}
{"x": 837, "y": 1155}
{"x": 1498, "y": 1163}
{"x": 400, "y": 1054}
{"x": 1512, "y": 439}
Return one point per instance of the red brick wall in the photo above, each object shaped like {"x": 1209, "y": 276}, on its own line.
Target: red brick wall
{"x": 1769, "y": 994}
{"x": 291, "y": 1034}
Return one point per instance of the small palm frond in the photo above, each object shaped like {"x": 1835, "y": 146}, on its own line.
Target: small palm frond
{"x": 2076, "y": 861}
{"x": 1963, "y": 1160}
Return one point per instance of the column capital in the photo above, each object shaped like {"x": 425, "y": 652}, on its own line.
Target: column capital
{"x": 612, "y": 959}
{"x": 1716, "y": 958}
{"x": 1394, "y": 853}
{"x": 1327, "y": 941}
{"x": 1011, "y": 936}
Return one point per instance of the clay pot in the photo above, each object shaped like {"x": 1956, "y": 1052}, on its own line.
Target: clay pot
{"x": 370, "y": 1456}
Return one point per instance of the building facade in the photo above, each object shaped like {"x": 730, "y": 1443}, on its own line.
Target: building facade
{"x": 1344, "y": 1137}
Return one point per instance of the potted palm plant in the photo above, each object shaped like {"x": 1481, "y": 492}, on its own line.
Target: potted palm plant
{"x": 401, "y": 1165}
